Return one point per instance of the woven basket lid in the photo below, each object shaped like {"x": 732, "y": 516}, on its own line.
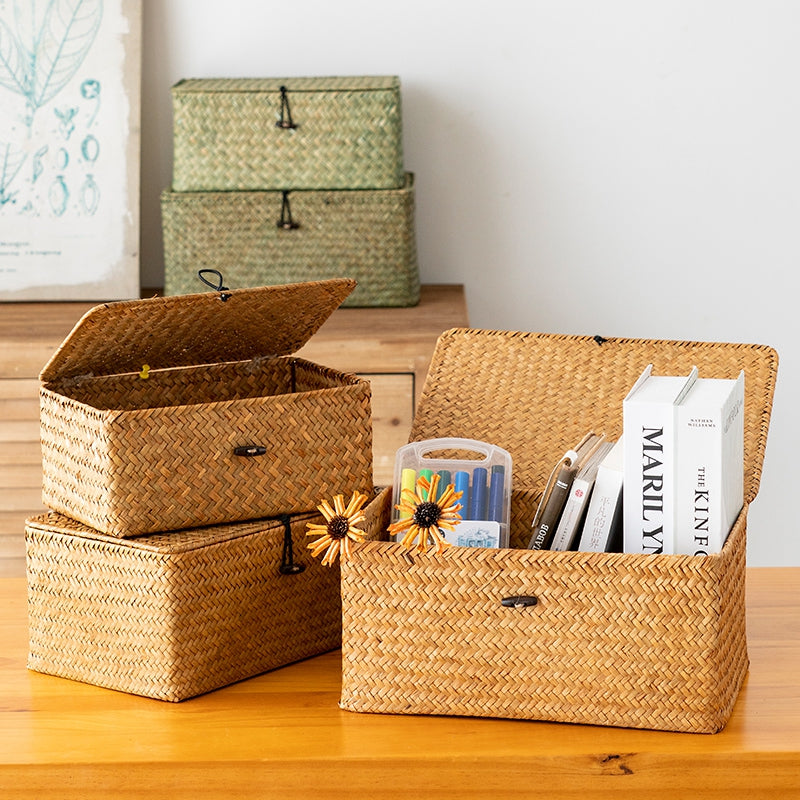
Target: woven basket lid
{"x": 195, "y": 329}
{"x": 345, "y": 83}
{"x": 537, "y": 394}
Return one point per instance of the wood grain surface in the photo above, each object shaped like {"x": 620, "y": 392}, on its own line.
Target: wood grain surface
{"x": 282, "y": 735}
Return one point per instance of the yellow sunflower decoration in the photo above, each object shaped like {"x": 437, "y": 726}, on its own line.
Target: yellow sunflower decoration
{"x": 339, "y": 528}
{"x": 423, "y": 515}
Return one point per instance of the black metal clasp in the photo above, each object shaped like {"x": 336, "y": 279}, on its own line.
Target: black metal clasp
{"x": 286, "y": 122}
{"x": 286, "y": 222}
{"x": 216, "y": 285}
{"x": 250, "y": 450}
{"x": 519, "y": 601}
{"x": 288, "y": 566}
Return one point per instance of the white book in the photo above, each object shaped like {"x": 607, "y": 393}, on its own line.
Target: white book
{"x": 709, "y": 464}
{"x": 648, "y": 423}
{"x": 578, "y": 500}
{"x": 604, "y": 516}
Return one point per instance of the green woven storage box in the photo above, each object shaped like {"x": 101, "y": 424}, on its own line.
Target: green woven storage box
{"x": 265, "y": 238}
{"x": 287, "y": 133}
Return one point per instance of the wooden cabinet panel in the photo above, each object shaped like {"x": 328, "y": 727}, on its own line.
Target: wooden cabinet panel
{"x": 20, "y": 468}
{"x": 392, "y": 415}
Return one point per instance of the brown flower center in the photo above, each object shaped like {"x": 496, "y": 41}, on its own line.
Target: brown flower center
{"x": 427, "y": 514}
{"x": 338, "y": 527}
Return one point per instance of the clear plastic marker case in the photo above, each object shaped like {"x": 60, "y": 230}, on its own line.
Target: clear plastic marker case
{"x": 480, "y": 470}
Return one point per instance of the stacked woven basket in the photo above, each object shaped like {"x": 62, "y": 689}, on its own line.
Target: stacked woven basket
{"x": 184, "y": 451}
{"x": 284, "y": 180}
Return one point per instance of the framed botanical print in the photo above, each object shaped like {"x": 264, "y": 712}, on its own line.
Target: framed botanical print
{"x": 70, "y": 75}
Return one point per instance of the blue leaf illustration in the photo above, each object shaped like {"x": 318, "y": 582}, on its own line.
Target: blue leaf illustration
{"x": 12, "y": 64}
{"x": 38, "y": 164}
{"x": 90, "y": 195}
{"x": 29, "y": 15}
{"x": 90, "y": 148}
{"x": 59, "y": 196}
{"x": 67, "y": 33}
{"x": 11, "y": 160}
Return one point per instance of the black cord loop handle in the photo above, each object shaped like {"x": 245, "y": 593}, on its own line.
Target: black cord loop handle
{"x": 217, "y": 286}
{"x": 286, "y": 122}
{"x": 286, "y": 221}
{"x": 288, "y": 566}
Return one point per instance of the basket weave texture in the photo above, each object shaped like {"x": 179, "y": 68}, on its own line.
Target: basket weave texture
{"x": 365, "y": 235}
{"x": 347, "y": 134}
{"x": 129, "y": 455}
{"x": 176, "y": 614}
{"x": 615, "y": 639}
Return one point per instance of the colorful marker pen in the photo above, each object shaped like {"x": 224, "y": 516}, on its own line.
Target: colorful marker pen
{"x": 462, "y": 485}
{"x": 408, "y": 480}
{"x": 426, "y": 473}
{"x": 496, "y": 493}
{"x": 478, "y": 504}
{"x": 444, "y": 481}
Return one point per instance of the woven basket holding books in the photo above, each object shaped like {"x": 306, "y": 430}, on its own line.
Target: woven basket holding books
{"x": 634, "y": 640}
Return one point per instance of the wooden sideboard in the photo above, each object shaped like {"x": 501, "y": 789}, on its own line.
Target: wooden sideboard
{"x": 390, "y": 346}
{"x": 282, "y": 735}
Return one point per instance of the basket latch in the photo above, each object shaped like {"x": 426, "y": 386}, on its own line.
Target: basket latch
{"x": 285, "y": 122}
{"x": 250, "y": 450}
{"x": 519, "y": 601}
{"x": 288, "y": 566}
{"x": 286, "y": 222}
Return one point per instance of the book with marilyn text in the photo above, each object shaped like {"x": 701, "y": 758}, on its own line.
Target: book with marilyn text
{"x": 648, "y": 422}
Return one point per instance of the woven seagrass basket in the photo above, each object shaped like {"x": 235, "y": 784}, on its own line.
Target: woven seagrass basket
{"x": 259, "y": 238}
{"x": 175, "y": 412}
{"x": 287, "y": 133}
{"x": 633, "y": 640}
{"x": 176, "y": 614}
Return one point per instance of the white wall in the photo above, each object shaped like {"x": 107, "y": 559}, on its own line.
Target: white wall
{"x": 621, "y": 167}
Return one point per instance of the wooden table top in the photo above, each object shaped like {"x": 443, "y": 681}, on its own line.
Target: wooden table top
{"x": 282, "y": 735}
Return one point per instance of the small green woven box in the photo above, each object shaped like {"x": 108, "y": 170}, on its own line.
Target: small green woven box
{"x": 266, "y": 238}
{"x": 287, "y": 133}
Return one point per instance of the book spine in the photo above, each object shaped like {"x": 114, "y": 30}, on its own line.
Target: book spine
{"x": 710, "y": 473}
{"x": 572, "y": 515}
{"x": 546, "y": 527}
{"x": 698, "y": 487}
{"x": 603, "y": 515}
{"x": 649, "y": 480}
{"x": 732, "y": 460}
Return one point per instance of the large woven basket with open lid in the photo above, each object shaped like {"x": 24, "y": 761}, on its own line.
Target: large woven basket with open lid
{"x": 174, "y": 412}
{"x": 646, "y": 641}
